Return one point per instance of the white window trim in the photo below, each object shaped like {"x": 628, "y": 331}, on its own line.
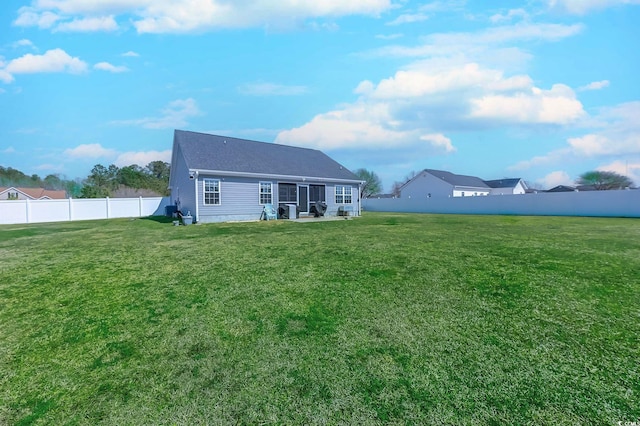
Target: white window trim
{"x": 204, "y": 192}
{"x": 344, "y": 194}
{"x": 260, "y": 192}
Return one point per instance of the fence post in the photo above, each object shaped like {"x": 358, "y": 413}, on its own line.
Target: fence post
{"x": 140, "y": 207}
{"x": 107, "y": 200}
{"x": 27, "y": 206}
{"x": 70, "y": 209}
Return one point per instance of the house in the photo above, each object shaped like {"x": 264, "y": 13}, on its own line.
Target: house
{"x": 13, "y": 193}
{"x": 438, "y": 183}
{"x": 567, "y": 188}
{"x": 507, "y": 186}
{"x": 218, "y": 178}
{"x": 562, "y": 188}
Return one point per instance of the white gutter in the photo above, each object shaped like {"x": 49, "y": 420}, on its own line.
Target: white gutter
{"x": 271, "y": 176}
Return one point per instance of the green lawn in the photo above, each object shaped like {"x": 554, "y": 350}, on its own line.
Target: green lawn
{"x": 388, "y": 318}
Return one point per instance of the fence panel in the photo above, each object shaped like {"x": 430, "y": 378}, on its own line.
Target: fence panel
{"x": 14, "y": 211}
{"x": 624, "y": 203}
{"x": 124, "y": 207}
{"x": 48, "y": 210}
{"x": 34, "y": 211}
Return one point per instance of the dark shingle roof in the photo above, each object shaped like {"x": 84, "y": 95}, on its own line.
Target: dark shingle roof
{"x": 503, "y": 183}
{"x": 457, "y": 180}
{"x": 562, "y": 188}
{"x": 220, "y": 153}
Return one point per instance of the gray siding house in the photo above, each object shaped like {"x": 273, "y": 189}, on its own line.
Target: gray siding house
{"x": 438, "y": 183}
{"x": 219, "y": 178}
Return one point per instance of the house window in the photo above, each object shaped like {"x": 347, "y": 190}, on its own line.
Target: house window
{"x": 211, "y": 191}
{"x": 266, "y": 192}
{"x": 12, "y": 196}
{"x": 288, "y": 193}
{"x": 316, "y": 193}
{"x": 343, "y": 194}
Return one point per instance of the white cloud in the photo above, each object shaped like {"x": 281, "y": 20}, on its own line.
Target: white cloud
{"x": 554, "y": 179}
{"x": 616, "y": 136}
{"x": 556, "y": 106}
{"x": 6, "y": 77}
{"x": 427, "y": 78}
{"x": 97, "y": 151}
{"x": 510, "y": 15}
{"x": 106, "y": 66}
{"x": 440, "y": 141}
{"x": 89, "y": 151}
{"x": 173, "y": 116}
{"x": 409, "y": 18}
{"x": 271, "y": 89}
{"x": 625, "y": 168}
{"x": 481, "y": 43}
{"x": 443, "y": 6}
{"x": 104, "y": 23}
{"x": 422, "y": 104}
{"x": 552, "y": 157}
{"x": 596, "y": 85}
{"x": 24, "y": 43}
{"x": 617, "y": 133}
{"x": 131, "y": 54}
{"x": 177, "y": 16}
{"x": 582, "y": 7}
{"x": 32, "y": 17}
{"x": 10, "y": 150}
{"x": 55, "y": 60}
{"x": 355, "y": 126}
{"x": 142, "y": 158}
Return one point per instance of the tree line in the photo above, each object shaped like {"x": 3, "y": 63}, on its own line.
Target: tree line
{"x": 103, "y": 181}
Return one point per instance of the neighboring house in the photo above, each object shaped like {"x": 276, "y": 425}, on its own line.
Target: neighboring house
{"x": 507, "y": 186}
{"x": 562, "y": 188}
{"x": 567, "y": 188}
{"x": 13, "y": 193}
{"x": 218, "y": 178}
{"x": 438, "y": 183}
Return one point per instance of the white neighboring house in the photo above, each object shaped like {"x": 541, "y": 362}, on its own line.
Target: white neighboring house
{"x": 439, "y": 183}
{"x": 507, "y": 186}
{"x": 13, "y": 193}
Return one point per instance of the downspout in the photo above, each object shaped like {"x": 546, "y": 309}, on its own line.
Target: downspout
{"x": 360, "y": 198}
{"x": 195, "y": 182}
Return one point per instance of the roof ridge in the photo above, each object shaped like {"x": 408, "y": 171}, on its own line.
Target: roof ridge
{"x": 248, "y": 140}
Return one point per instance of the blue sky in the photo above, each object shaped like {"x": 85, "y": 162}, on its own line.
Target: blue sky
{"x": 539, "y": 89}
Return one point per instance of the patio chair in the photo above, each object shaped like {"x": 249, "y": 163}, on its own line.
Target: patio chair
{"x": 269, "y": 212}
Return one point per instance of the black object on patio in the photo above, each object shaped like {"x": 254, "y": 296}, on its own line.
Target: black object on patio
{"x": 319, "y": 209}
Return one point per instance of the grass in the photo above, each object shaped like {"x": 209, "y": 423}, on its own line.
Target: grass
{"x": 384, "y": 319}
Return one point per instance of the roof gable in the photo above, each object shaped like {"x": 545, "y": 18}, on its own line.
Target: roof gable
{"x": 225, "y": 154}
{"x": 457, "y": 180}
{"x": 503, "y": 183}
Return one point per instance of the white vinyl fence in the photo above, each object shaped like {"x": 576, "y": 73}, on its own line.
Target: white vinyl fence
{"x": 623, "y": 203}
{"x": 35, "y": 211}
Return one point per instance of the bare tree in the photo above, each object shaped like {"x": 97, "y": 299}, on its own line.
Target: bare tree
{"x": 372, "y": 184}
